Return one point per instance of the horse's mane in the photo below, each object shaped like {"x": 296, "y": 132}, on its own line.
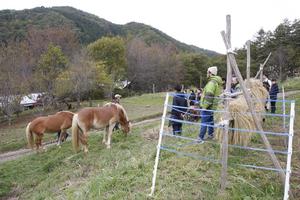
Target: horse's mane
{"x": 66, "y": 112}
{"x": 123, "y": 115}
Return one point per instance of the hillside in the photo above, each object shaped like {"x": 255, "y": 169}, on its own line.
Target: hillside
{"x": 14, "y": 25}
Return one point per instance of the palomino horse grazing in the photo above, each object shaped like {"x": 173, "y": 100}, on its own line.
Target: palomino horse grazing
{"x": 60, "y": 121}
{"x": 99, "y": 117}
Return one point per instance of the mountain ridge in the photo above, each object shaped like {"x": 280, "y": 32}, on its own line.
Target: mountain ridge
{"x": 14, "y": 24}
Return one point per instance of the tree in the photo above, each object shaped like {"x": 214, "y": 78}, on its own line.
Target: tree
{"x": 283, "y": 42}
{"x": 81, "y": 78}
{"x": 195, "y": 67}
{"x": 111, "y": 52}
{"x": 63, "y": 36}
{"x": 13, "y": 77}
{"x": 156, "y": 64}
{"x": 50, "y": 65}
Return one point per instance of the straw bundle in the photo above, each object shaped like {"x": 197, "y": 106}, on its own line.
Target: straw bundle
{"x": 240, "y": 116}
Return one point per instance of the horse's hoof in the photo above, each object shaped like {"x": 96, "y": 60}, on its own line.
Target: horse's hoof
{"x": 59, "y": 146}
{"x": 103, "y": 142}
{"x": 108, "y": 146}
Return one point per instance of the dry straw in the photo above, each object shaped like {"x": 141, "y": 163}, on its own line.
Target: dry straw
{"x": 240, "y": 116}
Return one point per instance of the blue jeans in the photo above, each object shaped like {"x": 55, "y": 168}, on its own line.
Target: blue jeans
{"x": 207, "y": 118}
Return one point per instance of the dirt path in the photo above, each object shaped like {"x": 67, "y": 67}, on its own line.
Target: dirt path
{"x": 12, "y": 155}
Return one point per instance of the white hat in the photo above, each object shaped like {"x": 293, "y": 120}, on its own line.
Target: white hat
{"x": 213, "y": 70}
{"x": 118, "y": 96}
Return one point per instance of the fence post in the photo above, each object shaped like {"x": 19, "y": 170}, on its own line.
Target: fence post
{"x": 224, "y": 150}
{"x": 290, "y": 150}
{"x": 248, "y": 60}
{"x": 159, "y": 144}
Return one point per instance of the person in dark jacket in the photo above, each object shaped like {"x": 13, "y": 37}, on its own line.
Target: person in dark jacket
{"x": 192, "y": 98}
{"x": 178, "y": 112}
{"x": 273, "y": 95}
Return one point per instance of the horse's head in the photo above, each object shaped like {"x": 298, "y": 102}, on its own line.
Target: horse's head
{"x": 126, "y": 127}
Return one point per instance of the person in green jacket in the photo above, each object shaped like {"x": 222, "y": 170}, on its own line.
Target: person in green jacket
{"x": 208, "y": 102}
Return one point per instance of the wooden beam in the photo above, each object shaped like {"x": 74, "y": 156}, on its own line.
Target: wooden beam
{"x": 258, "y": 125}
{"x": 248, "y": 60}
{"x": 224, "y": 150}
{"x": 261, "y": 67}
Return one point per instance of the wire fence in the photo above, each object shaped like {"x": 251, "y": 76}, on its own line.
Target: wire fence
{"x": 278, "y": 127}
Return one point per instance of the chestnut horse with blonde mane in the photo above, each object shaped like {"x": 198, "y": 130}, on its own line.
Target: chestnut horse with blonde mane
{"x": 61, "y": 121}
{"x": 98, "y": 117}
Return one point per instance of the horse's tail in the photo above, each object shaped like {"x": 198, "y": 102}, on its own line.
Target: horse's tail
{"x": 75, "y": 133}
{"x": 29, "y": 136}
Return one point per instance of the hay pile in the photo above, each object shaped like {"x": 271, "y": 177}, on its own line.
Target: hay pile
{"x": 240, "y": 116}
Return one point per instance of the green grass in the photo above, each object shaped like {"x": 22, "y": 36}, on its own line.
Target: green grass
{"x": 291, "y": 84}
{"x": 13, "y": 137}
{"x": 138, "y": 108}
{"x": 125, "y": 172}
{"x": 33, "y": 177}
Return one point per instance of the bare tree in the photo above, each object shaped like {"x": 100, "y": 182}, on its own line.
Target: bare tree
{"x": 81, "y": 78}
{"x": 13, "y": 77}
{"x": 156, "y": 64}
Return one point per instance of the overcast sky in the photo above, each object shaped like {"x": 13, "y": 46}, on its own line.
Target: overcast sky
{"x": 190, "y": 21}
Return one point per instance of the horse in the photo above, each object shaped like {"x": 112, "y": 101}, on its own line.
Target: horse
{"x": 98, "y": 117}
{"x": 59, "y": 122}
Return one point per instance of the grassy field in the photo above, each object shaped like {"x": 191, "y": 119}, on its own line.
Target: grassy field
{"x": 125, "y": 171}
{"x": 138, "y": 108}
{"x": 291, "y": 84}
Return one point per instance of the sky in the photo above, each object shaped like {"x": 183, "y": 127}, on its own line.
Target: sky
{"x": 196, "y": 22}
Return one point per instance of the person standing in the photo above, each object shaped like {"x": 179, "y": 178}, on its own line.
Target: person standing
{"x": 192, "y": 98}
{"x": 208, "y": 103}
{"x": 273, "y": 95}
{"x": 116, "y": 99}
{"x": 235, "y": 85}
{"x": 267, "y": 83}
{"x": 178, "y": 112}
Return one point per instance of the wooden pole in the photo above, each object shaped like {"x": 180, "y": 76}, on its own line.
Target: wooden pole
{"x": 237, "y": 72}
{"x": 224, "y": 150}
{"x": 284, "y": 118}
{"x": 261, "y": 67}
{"x": 248, "y": 60}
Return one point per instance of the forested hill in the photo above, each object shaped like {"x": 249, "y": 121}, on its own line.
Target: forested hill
{"x": 14, "y": 25}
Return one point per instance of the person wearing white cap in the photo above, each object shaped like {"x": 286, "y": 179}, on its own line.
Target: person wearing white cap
{"x": 116, "y": 98}
{"x": 208, "y": 103}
